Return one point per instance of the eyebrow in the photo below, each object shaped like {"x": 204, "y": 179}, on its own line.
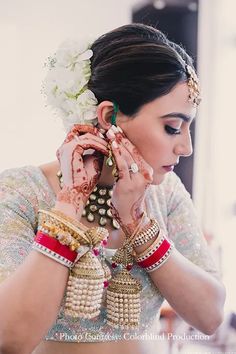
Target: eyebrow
{"x": 182, "y": 116}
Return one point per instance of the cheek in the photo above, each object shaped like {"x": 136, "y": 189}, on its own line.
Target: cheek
{"x": 152, "y": 146}
{"x": 154, "y": 149}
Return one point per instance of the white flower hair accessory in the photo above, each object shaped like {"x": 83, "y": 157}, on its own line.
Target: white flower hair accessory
{"x": 65, "y": 85}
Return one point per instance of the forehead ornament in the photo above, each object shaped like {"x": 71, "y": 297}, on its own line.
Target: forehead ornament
{"x": 193, "y": 86}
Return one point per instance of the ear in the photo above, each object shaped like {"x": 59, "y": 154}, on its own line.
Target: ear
{"x": 105, "y": 110}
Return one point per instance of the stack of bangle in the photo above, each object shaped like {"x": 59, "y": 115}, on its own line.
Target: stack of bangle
{"x": 64, "y": 237}
{"x": 147, "y": 233}
{"x": 156, "y": 254}
{"x": 63, "y": 222}
{"x": 52, "y": 248}
{"x": 58, "y": 238}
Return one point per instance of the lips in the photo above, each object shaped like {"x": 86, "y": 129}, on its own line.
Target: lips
{"x": 172, "y": 164}
{"x": 169, "y": 168}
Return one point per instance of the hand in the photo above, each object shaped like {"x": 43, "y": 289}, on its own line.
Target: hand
{"x": 129, "y": 190}
{"x": 80, "y": 172}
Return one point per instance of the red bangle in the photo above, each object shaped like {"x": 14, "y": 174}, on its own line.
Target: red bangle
{"x": 55, "y": 246}
{"x": 157, "y": 255}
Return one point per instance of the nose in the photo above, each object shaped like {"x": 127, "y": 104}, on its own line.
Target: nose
{"x": 184, "y": 145}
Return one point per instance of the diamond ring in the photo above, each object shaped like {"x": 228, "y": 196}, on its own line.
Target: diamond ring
{"x": 134, "y": 168}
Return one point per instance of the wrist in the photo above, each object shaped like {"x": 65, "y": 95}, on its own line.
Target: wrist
{"x": 69, "y": 210}
{"x": 70, "y": 202}
{"x": 134, "y": 227}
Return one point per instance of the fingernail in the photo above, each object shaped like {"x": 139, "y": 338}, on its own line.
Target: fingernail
{"x": 115, "y": 129}
{"x": 100, "y": 134}
{"x": 110, "y": 134}
{"x": 119, "y": 128}
{"x": 114, "y": 144}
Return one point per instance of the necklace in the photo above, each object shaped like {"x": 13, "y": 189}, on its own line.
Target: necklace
{"x": 97, "y": 208}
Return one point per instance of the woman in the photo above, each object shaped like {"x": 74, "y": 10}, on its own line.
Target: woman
{"x": 136, "y": 98}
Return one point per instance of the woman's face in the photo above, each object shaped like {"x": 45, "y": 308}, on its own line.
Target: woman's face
{"x": 160, "y": 131}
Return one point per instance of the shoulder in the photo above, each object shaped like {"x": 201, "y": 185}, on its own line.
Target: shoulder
{"x": 15, "y": 177}
{"x": 26, "y": 178}
{"x": 24, "y": 186}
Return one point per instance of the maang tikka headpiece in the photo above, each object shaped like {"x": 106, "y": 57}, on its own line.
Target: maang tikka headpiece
{"x": 193, "y": 86}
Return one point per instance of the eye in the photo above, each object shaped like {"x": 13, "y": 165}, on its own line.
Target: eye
{"x": 172, "y": 131}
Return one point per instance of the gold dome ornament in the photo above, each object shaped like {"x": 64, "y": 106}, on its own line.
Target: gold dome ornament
{"x": 98, "y": 207}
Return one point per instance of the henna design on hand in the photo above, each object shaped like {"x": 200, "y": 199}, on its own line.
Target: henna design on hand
{"x": 80, "y": 129}
{"x": 82, "y": 173}
{"x": 77, "y": 196}
{"x": 116, "y": 216}
{"x": 136, "y": 215}
{"x": 128, "y": 213}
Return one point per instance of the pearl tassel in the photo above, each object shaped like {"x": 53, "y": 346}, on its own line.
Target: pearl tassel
{"x": 123, "y": 301}
{"x": 85, "y": 288}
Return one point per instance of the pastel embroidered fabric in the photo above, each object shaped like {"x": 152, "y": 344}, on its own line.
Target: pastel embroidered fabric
{"x": 23, "y": 191}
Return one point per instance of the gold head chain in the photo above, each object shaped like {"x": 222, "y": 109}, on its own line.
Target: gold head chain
{"x": 193, "y": 86}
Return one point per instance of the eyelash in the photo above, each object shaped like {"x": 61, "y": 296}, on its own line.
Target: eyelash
{"x": 172, "y": 131}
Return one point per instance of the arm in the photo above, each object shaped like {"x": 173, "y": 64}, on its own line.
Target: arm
{"x": 32, "y": 284}
{"x": 194, "y": 294}
{"x": 189, "y": 280}
{"x": 30, "y": 298}
{"x": 29, "y": 302}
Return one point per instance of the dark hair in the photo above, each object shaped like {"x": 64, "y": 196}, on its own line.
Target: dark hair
{"x": 134, "y": 64}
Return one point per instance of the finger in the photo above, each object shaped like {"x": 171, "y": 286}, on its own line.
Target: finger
{"x": 84, "y": 128}
{"x": 93, "y": 165}
{"x": 110, "y": 134}
{"x": 134, "y": 152}
{"x": 115, "y": 134}
{"x": 129, "y": 159}
{"x": 80, "y": 129}
{"x": 92, "y": 142}
{"x": 87, "y": 130}
{"x": 79, "y": 174}
{"x": 86, "y": 170}
{"x": 99, "y": 139}
{"x": 88, "y": 141}
{"x": 121, "y": 163}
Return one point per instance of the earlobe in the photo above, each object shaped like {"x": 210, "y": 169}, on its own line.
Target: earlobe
{"x": 104, "y": 113}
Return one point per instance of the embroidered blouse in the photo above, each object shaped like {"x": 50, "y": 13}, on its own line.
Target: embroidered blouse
{"x": 25, "y": 190}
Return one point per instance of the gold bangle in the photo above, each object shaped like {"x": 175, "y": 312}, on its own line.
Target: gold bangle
{"x": 45, "y": 215}
{"x": 147, "y": 233}
{"x": 92, "y": 236}
{"x": 150, "y": 248}
{"x": 74, "y": 222}
{"x": 64, "y": 237}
